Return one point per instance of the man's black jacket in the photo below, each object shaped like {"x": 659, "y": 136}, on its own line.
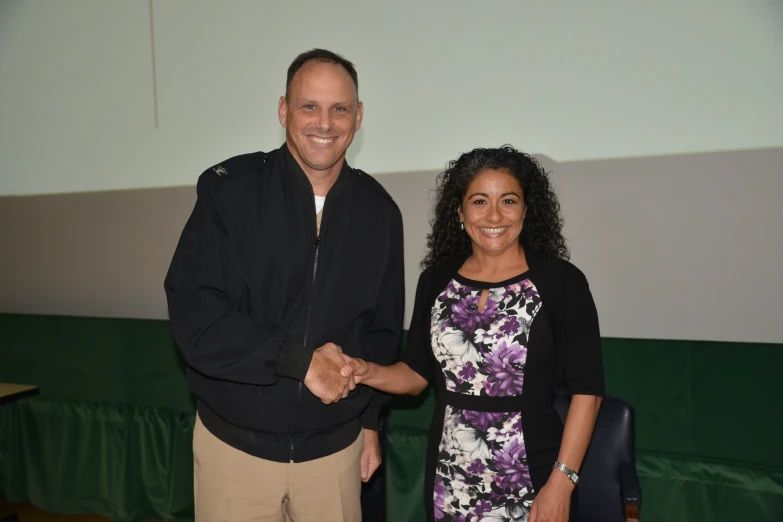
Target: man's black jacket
{"x": 253, "y": 290}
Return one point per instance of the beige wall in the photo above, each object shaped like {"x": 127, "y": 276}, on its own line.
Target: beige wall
{"x": 93, "y": 254}
{"x": 682, "y": 247}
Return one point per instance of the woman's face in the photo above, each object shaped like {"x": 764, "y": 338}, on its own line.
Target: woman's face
{"x": 492, "y": 210}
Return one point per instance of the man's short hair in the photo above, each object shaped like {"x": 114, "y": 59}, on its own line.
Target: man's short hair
{"x": 323, "y": 56}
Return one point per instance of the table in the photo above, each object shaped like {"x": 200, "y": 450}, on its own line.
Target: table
{"x": 10, "y": 392}
{"x": 13, "y": 392}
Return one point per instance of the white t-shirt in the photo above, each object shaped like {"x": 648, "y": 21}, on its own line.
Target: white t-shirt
{"x": 319, "y": 203}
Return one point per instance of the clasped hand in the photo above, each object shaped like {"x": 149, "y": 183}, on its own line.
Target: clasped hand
{"x": 331, "y": 373}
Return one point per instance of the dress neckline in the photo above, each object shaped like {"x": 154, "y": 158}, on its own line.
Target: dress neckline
{"x": 489, "y": 285}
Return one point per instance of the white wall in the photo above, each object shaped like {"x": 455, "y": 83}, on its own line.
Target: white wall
{"x": 573, "y": 80}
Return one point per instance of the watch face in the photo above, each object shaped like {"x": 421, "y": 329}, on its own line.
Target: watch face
{"x": 571, "y": 474}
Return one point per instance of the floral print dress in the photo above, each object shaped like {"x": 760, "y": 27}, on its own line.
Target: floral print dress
{"x": 482, "y": 470}
{"x": 495, "y": 433}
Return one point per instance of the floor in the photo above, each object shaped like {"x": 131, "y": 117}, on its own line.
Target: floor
{"x": 29, "y": 513}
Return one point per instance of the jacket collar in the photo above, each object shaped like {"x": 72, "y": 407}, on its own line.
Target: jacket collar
{"x": 294, "y": 171}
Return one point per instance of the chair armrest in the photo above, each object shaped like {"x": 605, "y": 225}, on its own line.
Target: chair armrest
{"x": 631, "y": 492}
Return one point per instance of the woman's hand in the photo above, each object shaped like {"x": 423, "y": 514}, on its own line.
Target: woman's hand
{"x": 356, "y": 367}
{"x": 398, "y": 378}
{"x": 553, "y": 502}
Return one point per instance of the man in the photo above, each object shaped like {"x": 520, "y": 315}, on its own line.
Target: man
{"x": 289, "y": 259}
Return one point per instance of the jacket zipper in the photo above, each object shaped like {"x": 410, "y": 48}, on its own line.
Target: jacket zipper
{"x": 307, "y": 326}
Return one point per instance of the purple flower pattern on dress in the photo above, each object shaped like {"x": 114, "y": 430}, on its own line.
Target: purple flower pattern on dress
{"x": 506, "y": 369}
{"x": 483, "y": 420}
{"x": 453, "y": 290}
{"x": 511, "y": 326}
{"x": 440, "y": 498}
{"x": 477, "y": 467}
{"x": 466, "y": 316}
{"x": 482, "y": 352}
{"x": 511, "y": 464}
{"x": 468, "y": 372}
{"x": 482, "y": 506}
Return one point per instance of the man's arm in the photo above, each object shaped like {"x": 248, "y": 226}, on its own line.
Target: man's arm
{"x": 384, "y": 334}
{"x": 214, "y": 337}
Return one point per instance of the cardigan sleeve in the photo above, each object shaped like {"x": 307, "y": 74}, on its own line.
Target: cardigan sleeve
{"x": 418, "y": 345}
{"x": 581, "y": 359}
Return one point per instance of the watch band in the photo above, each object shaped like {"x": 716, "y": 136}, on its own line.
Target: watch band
{"x": 571, "y": 474}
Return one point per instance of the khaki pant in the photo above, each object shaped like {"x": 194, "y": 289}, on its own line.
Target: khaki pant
{"x": 232, "y": 486}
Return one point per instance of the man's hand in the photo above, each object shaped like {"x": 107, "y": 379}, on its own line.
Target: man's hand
{"x": 324, "y": 379}
{"x": 371, "y": 456}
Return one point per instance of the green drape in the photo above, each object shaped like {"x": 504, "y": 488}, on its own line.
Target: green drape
{"x": 405, "y": 474}
{"x": 117, "y": 361}
{"x": 121, "y": 461}
{"x": 681, "y": 488}
{"x": 674, "y": 488}
{"x": 708, "y": 421}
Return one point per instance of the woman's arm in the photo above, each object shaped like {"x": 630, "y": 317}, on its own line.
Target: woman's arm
{"x": 398, "y": 378}
{"x": 554, "y": 500}
{"x": 578, "y": 430}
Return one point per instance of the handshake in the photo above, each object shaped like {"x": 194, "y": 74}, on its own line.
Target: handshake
{"x": 332, "y": 374}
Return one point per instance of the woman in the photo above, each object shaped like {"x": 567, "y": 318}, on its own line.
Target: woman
{"x": 501, "y": 319}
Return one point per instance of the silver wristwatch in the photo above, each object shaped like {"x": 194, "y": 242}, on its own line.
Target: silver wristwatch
{"x": 571, "y": 474}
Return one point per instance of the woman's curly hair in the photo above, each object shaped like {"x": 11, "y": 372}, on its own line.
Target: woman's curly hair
{"x": 542, "y": 231}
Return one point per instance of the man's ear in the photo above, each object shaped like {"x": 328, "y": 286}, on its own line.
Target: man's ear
{"x": 359, "y": 116}
{"x": 282, "y": 110}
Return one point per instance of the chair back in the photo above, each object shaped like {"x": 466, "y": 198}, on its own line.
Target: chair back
{"x": 612, "y": 447}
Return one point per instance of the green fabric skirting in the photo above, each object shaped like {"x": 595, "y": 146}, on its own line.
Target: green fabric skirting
{"x": 405, "y": 461}
{"x": 111, "y": 431}
{"x": 674, "y": 488}
{"x": 677, "y": 488}
{"x": 135, "y": 464}
{"x": 124, "y": 462}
